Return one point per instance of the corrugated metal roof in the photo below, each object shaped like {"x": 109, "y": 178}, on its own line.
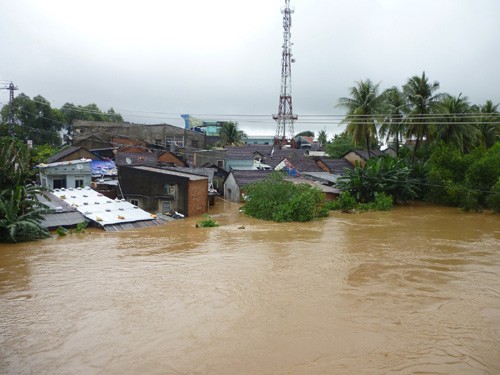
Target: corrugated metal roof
{"x": 63, "y": 219}
{"x": 192, "y": 177}
{"x": 101, "y": 209}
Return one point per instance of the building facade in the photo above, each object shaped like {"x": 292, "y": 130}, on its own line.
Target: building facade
{"x": 161, "y": 190}
{"x": 66, "y": 174}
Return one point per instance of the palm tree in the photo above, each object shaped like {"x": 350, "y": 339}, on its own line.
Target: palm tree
{"x": 488, "y": 124}
{"x": 322, "y": 139}
{"x": 231, "y": 136}
{"x": 454, "y": 126}
{"x": 421, "y": 102}
{"x": 363, "y": 108}
{"x": 393, "y": 125}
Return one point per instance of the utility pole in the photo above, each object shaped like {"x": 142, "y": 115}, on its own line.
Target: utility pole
{"x": 11, "y": 89}
{"x": 285, "y": 117}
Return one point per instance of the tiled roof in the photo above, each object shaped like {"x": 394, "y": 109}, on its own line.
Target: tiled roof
{"x": 245, "y": 177}
{"x": 297, "y": 157}
{"x": 247, "y": 152}
{"x": 62, "y": 154}
{"x": 136, "y": 158}
{"x": 337, "y": 166}
{"x": 364, "y": 153}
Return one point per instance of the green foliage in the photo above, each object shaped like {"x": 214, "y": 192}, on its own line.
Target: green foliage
{"x": 364, "y": 107}
{"x": 340, "y": 145}
{"x": 230, "y": 135}
{"x": 493, "y": 199}
{"x": 306, "y": 133}
{"x": 207, "y": 222}
{"x": 21, "y": 215}
{"x": 14, "y": 163}
{"x": 61, "y": 231}
{"x": 89, "y": 112}
{"x": 278, "y": 200}
{"x": 34, "y": 119}
{"x": 40, "y": 153}
{"x": 379, "y": 175}
{"x": 347, "y": 203}
{"x": 322, "y": 139}
{"x": 463, "y": 180}
{"x": 81, "y": 226}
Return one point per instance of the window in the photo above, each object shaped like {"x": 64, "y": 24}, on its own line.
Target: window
{"x": 78, "y": 182}
{"x": 135, "y": 202}
{"x": 169, "y": 189}
{"x": 220, "y": 163}
{"x": 59, "y": 183}
{"x": 174, "y": 140}
{"x": 195, "y": 144}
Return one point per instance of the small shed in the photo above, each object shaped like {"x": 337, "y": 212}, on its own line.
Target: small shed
{"x": 237, "y": 179}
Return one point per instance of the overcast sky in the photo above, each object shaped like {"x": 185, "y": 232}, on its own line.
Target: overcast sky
{"x": 152, "y": 60}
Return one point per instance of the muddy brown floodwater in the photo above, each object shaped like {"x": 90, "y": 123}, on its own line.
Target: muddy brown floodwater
{"x": 411, "y": 291}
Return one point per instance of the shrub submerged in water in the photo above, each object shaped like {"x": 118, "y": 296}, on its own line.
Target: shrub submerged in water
{"x": 207, "y": 222}
{"x": 276, "y": 199}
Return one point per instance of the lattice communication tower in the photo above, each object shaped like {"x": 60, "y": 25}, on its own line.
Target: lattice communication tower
{"x": 285, "y": 117}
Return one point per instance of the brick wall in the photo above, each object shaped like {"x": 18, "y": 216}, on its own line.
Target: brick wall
{"x": 198, "y": 197}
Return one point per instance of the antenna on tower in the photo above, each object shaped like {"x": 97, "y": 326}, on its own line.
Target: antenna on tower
{"x": 285, "y": 117}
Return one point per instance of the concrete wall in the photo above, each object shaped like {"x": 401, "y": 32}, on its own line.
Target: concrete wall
{"x": 148, "y": 133}
{"x": 67, "y": 175}
{"x": 231, "y": 189}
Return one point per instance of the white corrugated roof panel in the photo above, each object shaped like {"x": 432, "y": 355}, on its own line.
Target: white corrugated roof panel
{"x": 100, "y": 208}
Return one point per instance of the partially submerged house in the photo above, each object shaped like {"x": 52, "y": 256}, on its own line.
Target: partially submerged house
{"x": 106, "y": 213}
{"x": 66, "y": 174}
{"x": 163, "y": 190}
{"x": 237, "y": 180}
{"x": 63, "y": 214}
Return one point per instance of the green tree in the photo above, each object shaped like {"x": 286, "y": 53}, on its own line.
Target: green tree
{"x": 34, "y": 120}
{"x": 306, "y": 133}
{"x": 363, "y": 107}
{"x": 340, "y": 145}
{"x": 322, "y": 139}
{"x": 14, "y": 163}
{"x": 279, "y": 200}
{"x": 488, "y": 124}
{"x": 21, "y": 215}
{"x": 422, "y": 101}
{"x": 393, "y": 124}
{"x": 379, "y": 175}
{"x": 89, "y": 112}
{"x": 453, "y": 126}
{"x": 20, "y": 212}
{"x": 230, "y": 135}
{"x": 463, "y": 180}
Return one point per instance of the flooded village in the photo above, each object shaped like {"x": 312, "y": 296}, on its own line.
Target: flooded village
{"x": 411, "y": 290}
{"x": 182, "y": 238}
